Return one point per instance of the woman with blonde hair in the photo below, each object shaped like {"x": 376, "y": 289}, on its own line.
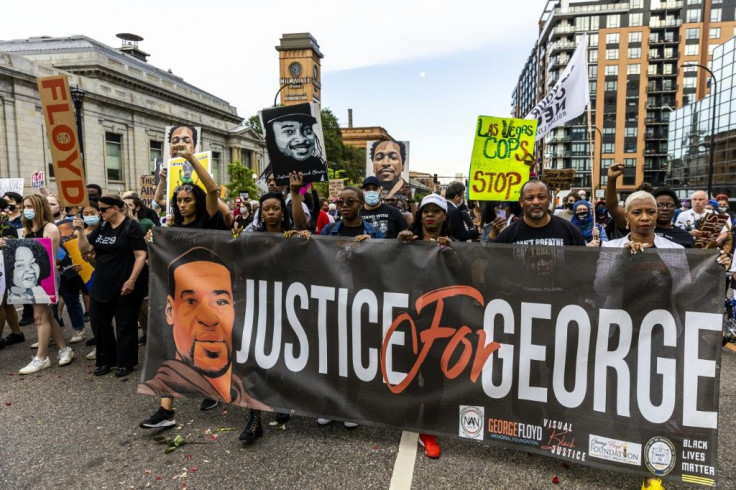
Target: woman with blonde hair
{"x": 38, "y": 222}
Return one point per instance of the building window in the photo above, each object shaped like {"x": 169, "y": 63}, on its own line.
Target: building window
{"x": 215, "y": 168}
{"x": 114, "y": 156}
{"x": 634, "y": 37}
{"x": 715, "y": 32}
{"x": 612, "y": 54}
{"x": 607, "y": 148}
{"x": 612, "y": 38}
{"x": 614, "y": 21}
{"x": 635, "y": 20}
{"x": 582, "y": 23}
{"x": 155, "y": 150}
{"x": 592, "y": 56}
{"x": 693, "y": 33}
{"x": 715, "y": 15}
{"x": 631, "y": 132}
{"x": 593, "y": 39}
{"x": 629, "y": 171}
{"x": 611, "y": 85}
{"x": 634, "y": 53}
{"x": 691, "y": 49}
{"x": 593, "y": 87}
{"x": 594, "y": 23}
{"x": 693, "y": 16}
{"x": 633, "y": 69}
{"x": 630, "y": 146}
{"x": 611, "y": 70}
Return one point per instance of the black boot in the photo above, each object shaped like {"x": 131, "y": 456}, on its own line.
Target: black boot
{"x": 253, "y": 430}
{"x": 282, "y": 418}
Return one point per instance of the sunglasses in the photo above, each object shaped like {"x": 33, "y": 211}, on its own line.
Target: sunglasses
{"x": 666, "y": 206}
{"x": 346, "y": 202}
{"x": 185, "y": 188}
{"x": 103, "y": 209}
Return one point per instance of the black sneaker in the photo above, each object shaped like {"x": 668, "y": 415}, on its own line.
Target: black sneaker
{"x": 142, "y": 339}
{"x": 282, "y": 418}
{"x": 91, "y": 341}
{"x": 208, "y": 404}
{"x": 25, "y": 321}
{"x": 14, "y": 338}
{"x": 160, "y": 420}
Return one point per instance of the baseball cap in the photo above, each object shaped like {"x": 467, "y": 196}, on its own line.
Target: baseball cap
{"x": 434, "y": 199}
{"x": 371, "y": 180}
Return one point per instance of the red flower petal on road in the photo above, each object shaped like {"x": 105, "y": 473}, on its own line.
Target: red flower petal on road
{"x": 213, "y": 437}
{"x": 158, "y": 477}
{"x": 193, "y": 469}
{"x": 565, "y": 465}
{"x": 555, "y": 480}
{"x": 7, "y": 404}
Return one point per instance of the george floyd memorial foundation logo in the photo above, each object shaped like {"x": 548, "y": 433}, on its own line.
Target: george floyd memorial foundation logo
{"x": 659, "y": 455}
{"x": 614, "y": 450}
{"x": 471, "y": 422}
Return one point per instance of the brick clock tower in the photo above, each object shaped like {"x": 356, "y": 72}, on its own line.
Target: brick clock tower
{"x": 299, "y": 66}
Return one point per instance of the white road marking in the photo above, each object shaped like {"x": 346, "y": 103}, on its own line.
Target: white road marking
{"x": 404, "y": 466}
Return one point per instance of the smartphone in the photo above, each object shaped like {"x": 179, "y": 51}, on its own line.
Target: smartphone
{"x": 501, "y": 213}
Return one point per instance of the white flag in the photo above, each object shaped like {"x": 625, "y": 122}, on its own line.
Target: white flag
{"x": 568, "y": 98}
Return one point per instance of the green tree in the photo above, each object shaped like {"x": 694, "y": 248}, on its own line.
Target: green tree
{"x": 254, "y": 122}
{"x": 241, "y": 180}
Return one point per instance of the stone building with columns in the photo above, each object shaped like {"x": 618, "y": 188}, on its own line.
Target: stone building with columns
{"x": 126, "y": 107}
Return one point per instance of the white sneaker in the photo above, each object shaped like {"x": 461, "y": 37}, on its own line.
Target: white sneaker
{"x": 92, "y": 355}
{"x": 77, "y": 337}
{"x": 36, "y": 365}
{"x": 35, "y": 344}
{"x": 65, "y": 356}
{"x": 350, "y": 425}
{"x": 322, "y": 421}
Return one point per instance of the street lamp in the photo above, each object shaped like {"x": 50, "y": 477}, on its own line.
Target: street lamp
{"x": 714, "y": 94}
{"x": 276, "y": 97}
{"x": 78, "y": 100}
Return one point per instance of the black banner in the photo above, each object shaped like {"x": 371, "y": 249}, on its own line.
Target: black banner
{"x": 590, "y": 355}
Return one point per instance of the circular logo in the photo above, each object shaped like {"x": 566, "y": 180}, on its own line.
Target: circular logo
{"x": 63, "y": 138}
{"x": 471, "y": 422}
{"x": 295, "y": 69}
{"x": 659, "y": 455}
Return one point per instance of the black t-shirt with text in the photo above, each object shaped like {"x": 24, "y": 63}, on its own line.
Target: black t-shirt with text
{"x": 677, "y": 235}
{"x": 557, "y": 232}
{"x": 385, "y": 218}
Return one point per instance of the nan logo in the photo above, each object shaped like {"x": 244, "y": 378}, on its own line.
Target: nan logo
{"x": 471, "y": 422}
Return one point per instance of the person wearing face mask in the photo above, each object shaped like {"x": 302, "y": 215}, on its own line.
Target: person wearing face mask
{"x": 568, "y": 204}
{"x": 14, "y": 201}
{"x": 387, "y": 219}
{"x": 244, "y": 216}
{"x": 592, "y": 232}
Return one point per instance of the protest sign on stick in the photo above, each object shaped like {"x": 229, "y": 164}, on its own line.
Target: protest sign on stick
{"x": 182, "y": 172}
{"x": 61, "y": 131}
{"x": 148, "y": 189}
{"x": 558, "y": 179}
{"x": 710, "y": 225}
{"x": 11, "y": 185}
{"x": 38, "y": 180}
{"x": 336, "y": 186}
{"x": 502, "y": 157}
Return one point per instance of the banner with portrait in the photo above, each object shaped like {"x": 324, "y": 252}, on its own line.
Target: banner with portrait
{"x": 295, "y": 142}
{"x": 389, "y": 162}
{"x": 30, "y": 274}
{"x": 593, "y": 356}
{"x": 189, "y": 136}
{"x": 181, "y": 173}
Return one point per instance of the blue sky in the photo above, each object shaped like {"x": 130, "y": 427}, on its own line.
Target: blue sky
{"x": 424, "y": 70}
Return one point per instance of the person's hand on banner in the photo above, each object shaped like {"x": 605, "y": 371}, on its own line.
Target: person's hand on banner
{"x": 406, "y": 236}
{"x": 724, "y": 259}
{"x": 298, "y": 234}
{"x": 362, "y": 238}
{"x": 443, "y": 242}
{"x": 636, "y": 247}
{"x": 615, "y": 171}
{"x": 149, "y": 236}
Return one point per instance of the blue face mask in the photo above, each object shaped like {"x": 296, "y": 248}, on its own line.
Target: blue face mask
{"x": 372, "y": 198}
{"x": 91, "y": 220}
{"x": 29, "y": 214}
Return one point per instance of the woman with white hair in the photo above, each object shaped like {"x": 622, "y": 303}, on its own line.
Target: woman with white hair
{"x": 640, "y": 212}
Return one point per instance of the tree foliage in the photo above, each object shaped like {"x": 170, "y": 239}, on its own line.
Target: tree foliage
{"x": 254, "y": 122}
{"x": 241, "y": 180}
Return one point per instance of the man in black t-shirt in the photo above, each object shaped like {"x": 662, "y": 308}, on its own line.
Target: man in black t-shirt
{"x": 667, "y": 203}
{"x": 538, "y": 227}
{"x": 387, "y": 219}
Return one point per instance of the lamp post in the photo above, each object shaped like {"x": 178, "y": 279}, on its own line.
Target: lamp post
{"x": 276, "y": 97}
{"x": 78, "y": 100}
{"x": 714, "y": 94}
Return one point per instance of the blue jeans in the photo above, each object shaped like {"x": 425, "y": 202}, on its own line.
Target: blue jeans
{"x": 73, "y": 306}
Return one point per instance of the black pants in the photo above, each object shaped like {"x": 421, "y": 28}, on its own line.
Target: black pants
{"x": 119, "y": 347}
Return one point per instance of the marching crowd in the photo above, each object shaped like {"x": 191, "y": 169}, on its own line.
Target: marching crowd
{"x": 111, "y": 233}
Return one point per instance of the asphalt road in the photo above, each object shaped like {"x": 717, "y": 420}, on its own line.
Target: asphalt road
{"x": 66, "y": 428}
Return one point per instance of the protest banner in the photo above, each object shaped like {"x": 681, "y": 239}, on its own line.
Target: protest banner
{"x": 711, "y": 225}
{"x": 11, "y": 185}
{"x": 38, "y": 180}
{"x": 558, "y": 179}
{"x": 182, "y": 172}
{"x": 182, "y": 134}
{"x": 568, "y": 98}
{"x": 31, "y": 277}
{"x": 388, "y": 161}
{"x": 61, "y": 130}
{"x": 87, "y": 271}
{"x": 502, "y": 154}
{"x": 336, "y": 186}
{"x": 294, "y": 142}
{"x": 148, "y": 189}
{"x": 593, "y": 356}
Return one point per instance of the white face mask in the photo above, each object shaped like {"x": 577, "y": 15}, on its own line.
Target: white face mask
{"x": 243, "y": 210}
{"x": 372, "y": 198}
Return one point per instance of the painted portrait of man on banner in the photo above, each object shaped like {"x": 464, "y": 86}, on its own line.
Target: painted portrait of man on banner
{"x": 295, "y": 142}
{"x": 389, "y": 162}
{"x": 182, "y": 135}
{"x": 30, "y": 277}
{"x": 200, "y": 313}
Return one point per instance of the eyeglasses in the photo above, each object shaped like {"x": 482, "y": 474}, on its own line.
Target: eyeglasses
{"x": 103, "y": 209}
{"x": 346, "y": 202}
{"x": 665, "y": 206}
{"x": 185, "y": 188}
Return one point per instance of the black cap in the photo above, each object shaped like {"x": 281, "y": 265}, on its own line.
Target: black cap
{"x": 299, "y": 112}
{"x": 371, "y": 180}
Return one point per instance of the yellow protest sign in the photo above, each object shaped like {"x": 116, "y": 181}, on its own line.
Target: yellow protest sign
{"x": 182, "y": 172}
{"x": 503, "y": 152}
{"x": 72, "y": 248}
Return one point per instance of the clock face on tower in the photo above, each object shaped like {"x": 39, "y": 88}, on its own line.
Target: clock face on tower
{"x": 295, "y": 69}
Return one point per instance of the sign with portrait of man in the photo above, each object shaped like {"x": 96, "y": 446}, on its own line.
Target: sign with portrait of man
{"x": 389, "y": 162}
{"x": 295, "y": 142}
{"x": 182, "y": 135}
{"x": 181, "y": 172}
{"x": 30, "y": 277}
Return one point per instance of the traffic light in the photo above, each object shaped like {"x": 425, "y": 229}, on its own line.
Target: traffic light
{"x": 436, "y": 180}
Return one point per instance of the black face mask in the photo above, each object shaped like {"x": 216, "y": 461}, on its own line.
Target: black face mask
{"x": 583, "y": 216}
{"x": 570, "y": 205}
